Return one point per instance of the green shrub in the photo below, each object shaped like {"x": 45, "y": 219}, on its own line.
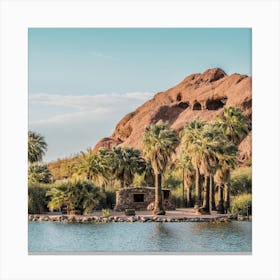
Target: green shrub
{"x": 241, "y": 181}
{"x": 177, "y": 197}
{"x": 39, "y": 173}
{"x": 139, "y": 180}
{"x": 106, "y": 212}
{"x": 80, "y": 196}
{"x": 171, "y": 181}
{"x": 37, "y": 200}
{"x": 242, "y": 205}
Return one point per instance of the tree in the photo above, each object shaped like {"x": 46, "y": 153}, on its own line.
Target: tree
{"x": 95, "y": 167}
{"x": 234, "y": 125}
{"x": 191, "y": 139}
{"x": 227, "y": 161}
{"x": 149, "y": 175}
{"x": 36, "y": 147}
{"x": 39, "y": 173}
{"x": 125, "y": 163}
{"x": 159, "y": 143}
{"x": 207, "y": 145}
{"x": 78, "y": 196}
{"x": 185, "y": 164}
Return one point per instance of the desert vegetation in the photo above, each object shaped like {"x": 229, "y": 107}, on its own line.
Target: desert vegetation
{"x": 199, "y": 165}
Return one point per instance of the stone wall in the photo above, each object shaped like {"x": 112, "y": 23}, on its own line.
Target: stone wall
{"x": 140, "y": 198}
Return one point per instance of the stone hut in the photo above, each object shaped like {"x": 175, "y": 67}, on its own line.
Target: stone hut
{"x": 141, "y": 198}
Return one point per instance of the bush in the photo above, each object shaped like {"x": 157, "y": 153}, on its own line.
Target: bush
{"x": 242, "y": 205}
{"x": 241, "y": 181}
{"x": 80, "y": 196}
{"x": 177, "y": 197}
{"x": 37, "y": 200}
{"x": 39, "y": 173}
{"x": 106, "y": 213}
{"x": 110, "y": 199}
{"x": 172, "y": 182}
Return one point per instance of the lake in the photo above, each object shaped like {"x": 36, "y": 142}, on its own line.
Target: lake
{"x": 185, "y": 237}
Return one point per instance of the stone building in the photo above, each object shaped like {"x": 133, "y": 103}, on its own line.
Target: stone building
{"x": 141, "y": 198}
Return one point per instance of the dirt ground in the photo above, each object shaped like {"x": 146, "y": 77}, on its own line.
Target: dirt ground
{"x": 180, "y": 212}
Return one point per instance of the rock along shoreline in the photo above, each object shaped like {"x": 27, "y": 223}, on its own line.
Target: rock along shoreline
{"x": 142, "y": 219}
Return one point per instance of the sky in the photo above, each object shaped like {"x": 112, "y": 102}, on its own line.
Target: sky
{"x": 82, "y": 81}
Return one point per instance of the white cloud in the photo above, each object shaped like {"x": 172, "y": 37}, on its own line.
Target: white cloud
{"x": 101, "y": 55}
{"x": 84, "y": 102}
{"x": 82, "y": 108}
{"x": 72, "y": 118}
{"x": 72, "y": 123}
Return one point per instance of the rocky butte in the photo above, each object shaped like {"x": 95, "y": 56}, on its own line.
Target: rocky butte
{"x": 201, "y": 96}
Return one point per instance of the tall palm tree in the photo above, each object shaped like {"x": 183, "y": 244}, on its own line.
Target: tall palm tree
{"x": 206, "y": 143}
{"x": 126, "y": 162}
{"x": 37, "y": 147}
{"x": 227, "y": 161}
{"x": 159, "y": 143}
{"x": 234, "y": 125}
{"x": 191, "y": 139}
{"x": 186, "y": 165}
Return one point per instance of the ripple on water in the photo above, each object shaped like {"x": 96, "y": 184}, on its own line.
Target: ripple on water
{"x": 140, "y": 237}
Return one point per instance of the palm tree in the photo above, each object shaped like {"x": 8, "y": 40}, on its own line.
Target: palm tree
{"x": 186, "y": 165}
{"x": 149, "y": 175}
{"x": 234, "y": 125}
{"x": 227, "y": 161}
{"x": 78, "y": 196}
{"x": 206, "y": 144}
{"x": 58, "y": 198}
{"x": 36, "y": 147}
{"x": 39, "y": 174}
{"x": 126, "y": 162}
{"x": 159, "y": 143}
{"x": 90, "y": 196}
{"x": 95, "y": 167}
{"x": 191, "y": 139}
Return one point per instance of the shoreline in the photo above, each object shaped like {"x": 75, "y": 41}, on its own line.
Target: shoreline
{"x": 179, "y": 215}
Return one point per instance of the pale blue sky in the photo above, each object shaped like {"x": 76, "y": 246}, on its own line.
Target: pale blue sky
{"x": 82, "y": 81}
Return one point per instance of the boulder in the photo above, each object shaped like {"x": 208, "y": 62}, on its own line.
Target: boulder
{"x": 129, "y": 212}
{"x": 151, "y": 206}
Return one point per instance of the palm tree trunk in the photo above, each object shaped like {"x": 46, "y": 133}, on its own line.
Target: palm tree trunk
{"x": 205, "y": 206}
{"x": 197, "y": 189}
{"x": 212, "y": 194}
{"x": 227, "y": 198}
{"x": 220, "y": 207}
{"x": 189, "y": 196}
{"x": 158, "y": 209}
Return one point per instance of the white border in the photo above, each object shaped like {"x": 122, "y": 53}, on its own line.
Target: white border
{"x": 17, "y": 16}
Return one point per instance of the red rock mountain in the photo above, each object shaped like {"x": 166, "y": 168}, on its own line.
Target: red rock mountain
{"x": 197, "y": 96}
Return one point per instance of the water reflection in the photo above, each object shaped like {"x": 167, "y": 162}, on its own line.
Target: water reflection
{"x": 140, "y": 237}
{"x": 161, "y": 230}
{"x": 161, "y": 237}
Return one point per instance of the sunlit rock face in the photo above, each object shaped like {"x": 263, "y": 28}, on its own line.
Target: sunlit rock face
{"x": 201, "y": 96}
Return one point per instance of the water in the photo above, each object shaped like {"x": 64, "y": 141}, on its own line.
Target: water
{"x": 187, "y": 237}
